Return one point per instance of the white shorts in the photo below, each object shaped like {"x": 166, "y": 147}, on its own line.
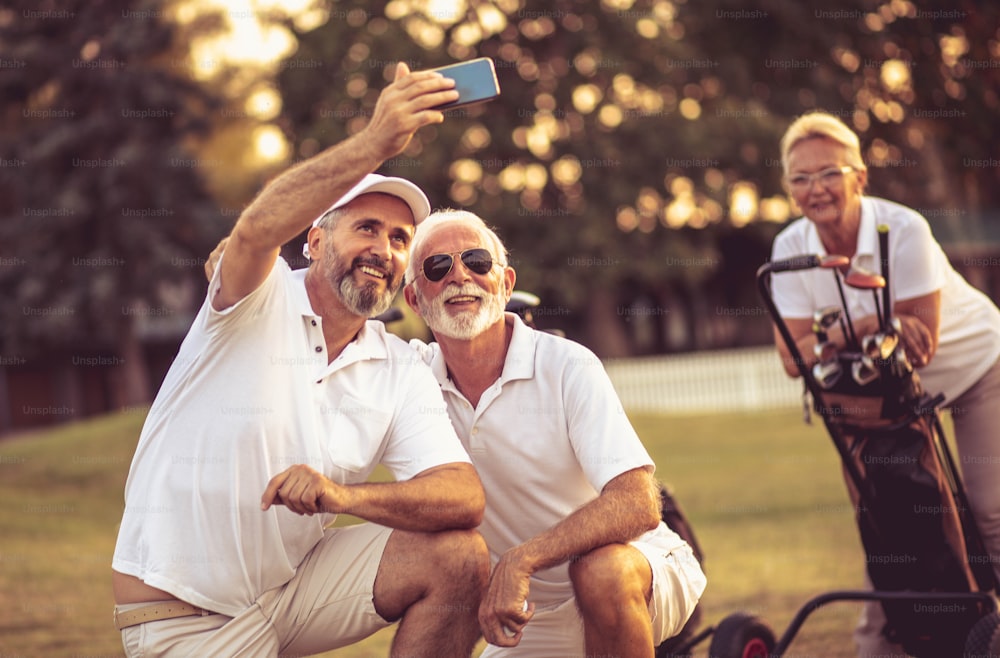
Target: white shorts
{"x": 329, "y": 603}
{"x": 556, "y": 630}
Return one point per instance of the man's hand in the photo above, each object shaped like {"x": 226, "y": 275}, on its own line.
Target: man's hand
{"x": 505, "y": 610}
{"x": 304, "y": 490}
{"x": 404, "y": 107}
{"x": 290, "y": 202}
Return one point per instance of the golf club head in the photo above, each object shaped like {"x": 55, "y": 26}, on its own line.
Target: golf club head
{"x": 862, "y": 279}
{"x": 827, "y": 316}
{"x": 820, "y": 333}
{"x": 825, "y": 351}
{"x": 864, "y": 371}
{"x": 833, "y": 261}
{"x": 827, "y": 374}
{"x": 880, "y": 345}
{"x": 869, "y": 346}
{"x": 887, "y": 345}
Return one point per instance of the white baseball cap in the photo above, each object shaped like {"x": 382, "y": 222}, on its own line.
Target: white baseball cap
{"x": 412, "y": 195}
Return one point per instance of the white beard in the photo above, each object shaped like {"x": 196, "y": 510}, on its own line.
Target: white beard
{"x": 466, "y": 324}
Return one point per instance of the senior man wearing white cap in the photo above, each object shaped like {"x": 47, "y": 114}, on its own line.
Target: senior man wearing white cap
{"x": 279, "y": 404}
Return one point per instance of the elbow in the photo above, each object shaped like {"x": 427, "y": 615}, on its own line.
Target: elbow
{"x": 787, "y": 361}
{"x": 254, "y": 233}
{"x": 791, "y": 369}
{"x": 476, "y": 510}
{"x": 647, "y": 517}
{"x": 472, "y": 520}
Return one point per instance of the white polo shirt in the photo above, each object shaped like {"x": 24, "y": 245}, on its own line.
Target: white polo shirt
{"x": 545, "y": 438}
{"x": 969, "y": 342}
{"x": 249, "y": 394}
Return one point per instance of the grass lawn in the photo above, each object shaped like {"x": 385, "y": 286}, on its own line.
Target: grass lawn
{"x": 763, "y": 491}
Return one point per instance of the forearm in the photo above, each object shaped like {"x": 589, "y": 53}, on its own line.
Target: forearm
{"x": 618, "y": 515}
{"x": 289, "y": 203}
{"x": 449, "y": 497}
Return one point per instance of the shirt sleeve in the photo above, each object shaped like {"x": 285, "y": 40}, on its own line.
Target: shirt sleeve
{"x": 248, "y": 307}
{"x": 603, "y": 439}
{"x": 790, "y": 290}
{"x": 918, "y": 263}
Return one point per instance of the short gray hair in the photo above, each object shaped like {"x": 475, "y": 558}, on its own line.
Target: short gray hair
{"x": 329, "y": 219}
{"x": 440, "y": 218}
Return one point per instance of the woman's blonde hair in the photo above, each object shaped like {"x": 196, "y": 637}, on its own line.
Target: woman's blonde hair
{"x": 822, "y": 124}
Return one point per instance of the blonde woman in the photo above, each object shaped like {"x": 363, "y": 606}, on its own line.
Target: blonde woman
{"x": 950, "y": 330}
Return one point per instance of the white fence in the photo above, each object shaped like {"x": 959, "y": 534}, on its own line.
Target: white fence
{"x": 731, "y": 380}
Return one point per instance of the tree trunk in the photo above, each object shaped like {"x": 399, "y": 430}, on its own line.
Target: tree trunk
{"x": 606, "y": 335}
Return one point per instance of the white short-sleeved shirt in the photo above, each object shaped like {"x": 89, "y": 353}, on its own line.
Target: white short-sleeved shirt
{"x": 545, "y": 438}
{"x": 969, "y": 342}
{"x": 249, "y": 394}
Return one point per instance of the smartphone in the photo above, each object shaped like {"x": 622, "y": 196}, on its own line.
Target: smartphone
{"x": 475, "y": 81}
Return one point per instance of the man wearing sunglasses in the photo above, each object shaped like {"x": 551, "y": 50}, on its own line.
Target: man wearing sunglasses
{"x": 280, "y": 403}
{"x": 582, "y": 563}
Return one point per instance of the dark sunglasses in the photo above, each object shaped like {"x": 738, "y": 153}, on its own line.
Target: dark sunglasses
{"x": 478, "y": 260}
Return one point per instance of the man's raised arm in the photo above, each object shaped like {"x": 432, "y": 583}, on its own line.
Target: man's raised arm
{"x": 290, "y": 202}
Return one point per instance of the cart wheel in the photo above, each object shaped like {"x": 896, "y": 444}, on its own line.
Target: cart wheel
{"x": 741, "y": 636}
{"x": 983, "y": 640}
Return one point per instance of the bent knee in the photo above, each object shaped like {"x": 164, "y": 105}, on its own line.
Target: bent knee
{"x": 615, "y": 571}
{"x": 450, "y": 551}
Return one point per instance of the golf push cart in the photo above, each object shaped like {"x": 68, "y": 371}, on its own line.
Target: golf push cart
{"x": 930, "y": 571}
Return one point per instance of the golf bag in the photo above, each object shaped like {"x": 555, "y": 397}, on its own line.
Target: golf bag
{"x": 912, "y": 513}
{"x": 913, "y": 518}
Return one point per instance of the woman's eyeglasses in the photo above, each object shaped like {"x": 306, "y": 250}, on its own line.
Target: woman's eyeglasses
{"x": 478, "y": 260}
{"x": 827, "y": 178}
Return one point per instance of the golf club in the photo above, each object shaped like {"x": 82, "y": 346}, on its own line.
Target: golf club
{"x": 827, "y": 374}
{"x": 883, "y": 248}
{"x": 836, "y": 262}
{"x": 880, "y": 345}
{"x": 824, "y": 318}
{"x": 864, "y": 370}
{"x": 861, "y": 279}
{"x": 825, "y": 351}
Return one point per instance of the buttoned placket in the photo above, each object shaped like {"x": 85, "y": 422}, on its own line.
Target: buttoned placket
{"x": 314, "y": 334}
{"x": 489, "y": 395}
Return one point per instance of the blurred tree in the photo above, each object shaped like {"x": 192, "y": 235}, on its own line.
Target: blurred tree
{"x": 621, "y": 122}
{"x": 634, "y": 149}
{"x": 104, "y": 219}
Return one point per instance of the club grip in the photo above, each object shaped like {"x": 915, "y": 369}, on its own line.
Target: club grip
{"x": 794, "y": 263}
{"x": 883, "y": 252}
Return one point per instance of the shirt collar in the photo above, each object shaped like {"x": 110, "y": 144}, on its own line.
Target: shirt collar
{"x": 369, "y": 343}
{"x": 520, "y": 361}
{"x": 867, "y": 249}
{"x": 300, "y": 298}
{"x": 867, "y": 254}
{"x": 518, "y": 364}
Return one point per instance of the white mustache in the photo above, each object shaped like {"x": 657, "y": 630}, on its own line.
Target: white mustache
{"x": 455, "y": 290}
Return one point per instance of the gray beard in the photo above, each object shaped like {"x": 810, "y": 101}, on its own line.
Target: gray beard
{"x": 463, "y": 326}
{"x": 363, "y": 300}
